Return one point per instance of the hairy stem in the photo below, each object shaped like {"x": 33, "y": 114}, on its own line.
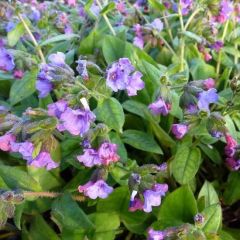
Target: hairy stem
{"x": 39, "y": 50}
{"x": 182, "y": 42}
{"x": 167, "y": 26}
{"x": 106, "y": 19}
{"x": 27, "y": 194}
{"x": 220, "y": 51}
{"x": 191, "y": 18}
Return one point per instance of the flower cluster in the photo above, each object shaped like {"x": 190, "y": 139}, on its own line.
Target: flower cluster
{"x": 122, "y": 75}
{"x": 52, "y": 73}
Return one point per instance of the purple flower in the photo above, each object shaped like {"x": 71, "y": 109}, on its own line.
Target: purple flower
{"x": 96, "y": 189}
{"x": 199, "y": 218}
{"x": 138, "y": 41}
{"x": 71, "y": 3}
{"x": 90, "y": 158}
{"x": 226, "y": 9}
{"x": 43, "y": 160}
{"x": 25, "y": 149}
{"x": 216, "y": 133}
{"x": 157, "y": 25}
{"x": 108, "y": 153}
{"x": 155, "y": 235}
{"x": 57, "y": 58}
{"x": 120, "y": 76}
{"x": 134, "y": 83}
{"x": 207, "y": 97}
{"x": 233, "y": 164}
{"x": 56, "y": 109}
{"x": 82, "y": 69}
{"x": 6, "y": 60}
{"x": 77, "y": 122}
{"x": 159, "y": 107}
{"x": 35, "y": 15}
{"x": 179, "y": 130}
{"x": 185, "y": 6}
{"x": 6, "y": 141}
{"x": 10, "y": 26}
{"x": 135, "y": 202}
{"x": 55, "y": 70}
{"x": 153, "y": 197}
{"x": 217, "y": 46}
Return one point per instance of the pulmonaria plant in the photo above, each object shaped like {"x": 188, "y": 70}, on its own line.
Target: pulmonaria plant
{"x": 130, "y": 108}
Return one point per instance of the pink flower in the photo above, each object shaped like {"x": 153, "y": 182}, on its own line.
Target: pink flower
{"x": 5, "y": 142}
{"x": 108, "y": 153}
{"x": 18, "y": 74}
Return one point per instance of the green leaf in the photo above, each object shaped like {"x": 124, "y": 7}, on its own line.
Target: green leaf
{"x": 201, "y": 70}
{"x": 186, "y": 163}
{"x": 14, "y": 177}
{"x": 192, "y": 35}
{"x": 209, "y": 194}
{"x": 177, "y": 208}
{"x": 141, "y": 140}
{"x": 106, "y": 225}
{"x": 213, "y": 218}
{"x": 23, "y": 88}
{"x": 40, "y": 229}
{"x": 111, "y": 113}
{"x": 6, "y": 76}
{"x": 109, "y": 7}
{"x": 66, "y": 213}
{"x": 14, "y": 35}
{"x": 58, "y": 38}
{"x": 18, "y": 215}
{"x": 226, "y": 236}
{"x": 135, "y": 107}
{"x": 212, "y": 153}
{"x": 232, "y": 190}
{"x": 156, "y": 5}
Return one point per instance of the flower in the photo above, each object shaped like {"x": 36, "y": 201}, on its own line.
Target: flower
{"x": 108, "y": 153}
{"x": 121, "y": 76}
{"x": 71, "y": 3}
{"x": 157, "y": 25}
{"x": 179, "y": 130}
{"x": 135, "y": 204}
{"x": 153, "y": 196}
{"x": 57, "y": 58}
{"x": 18, "y": 73}
{"x": 230, "y": 148}
{"x": 96, "y": 189}
{"x": 199, "y": 218}
{"x": 90, "y": 158}
{"x": 155, "y": 235}
{"x": 208, "y": 83}
{"x": 10, "y": 26}
{"x": 159, "y": 107}
{"x": 217, "y": 46}
{"x": 43, "y": 160}
{"x": 77, "y": 122}
{"x": 82, "y": 69}
{"x": 185, "y": 6}
{"x": 134, "y": 83}
{"x": 138, "y": 39}
{"x": 6, "y": 60}
{"x": 207, "y": 97}
{"x": 6, "y": 141}
{"x": 226, "y": 9}
{"x": 56, "y": 109}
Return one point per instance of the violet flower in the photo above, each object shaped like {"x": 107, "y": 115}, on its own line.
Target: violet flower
{"x": 18, "y": 73}
{"x": 205, "y": 98}
{"x": 208, "y": 84}
{"x": 155, "y": 235}
{"x": 77, "y": 122}
{"x": 138, "y": 40}
{"x": 226, "y": 9}
{"x": 90, "y": 158}
{"x": 6, "y": 60}
{"x": 96, "y": 189}
{"x": 179, "y": 130}
{"x": 82, "y": 69}
{"x": 152, "y": 197}
{"x": 157, "y": 25}
{"x": 217, "y": 46}
{"x": 159, "y": 107}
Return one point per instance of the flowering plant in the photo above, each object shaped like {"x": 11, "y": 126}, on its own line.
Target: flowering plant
{"x": 119, "y": 119}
